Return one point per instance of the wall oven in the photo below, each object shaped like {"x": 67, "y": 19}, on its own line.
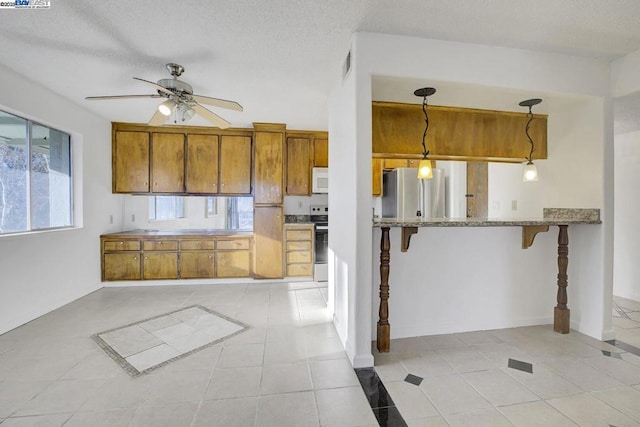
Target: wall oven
{"x": 320, "y": 218}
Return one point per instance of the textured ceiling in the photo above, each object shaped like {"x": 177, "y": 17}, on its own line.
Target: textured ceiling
{"x": 278, "y": 57}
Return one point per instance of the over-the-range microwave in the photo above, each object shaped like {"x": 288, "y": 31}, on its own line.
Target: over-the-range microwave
{"x": 320, "y": 180}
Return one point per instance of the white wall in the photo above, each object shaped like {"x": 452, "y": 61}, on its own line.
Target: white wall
{"x": 395, "y": 56}
{"x": 627, "y": 206}
{"x": 43, "y": 271}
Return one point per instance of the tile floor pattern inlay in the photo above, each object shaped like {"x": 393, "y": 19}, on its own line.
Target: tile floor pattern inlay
{"x": 289, "y": 369}
{"x": 148, "y": 344}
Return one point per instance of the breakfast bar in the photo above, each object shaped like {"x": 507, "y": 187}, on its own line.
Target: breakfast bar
{"x": 559, "y": 217}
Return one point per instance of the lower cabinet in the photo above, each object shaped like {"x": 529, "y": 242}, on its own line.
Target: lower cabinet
{"x": 298, "y": 243}
{"x": 160, "y": 265}
{"x": 197, "y": 264}
{"x": 121, "y": 266}
{"x": 195, "y": 257}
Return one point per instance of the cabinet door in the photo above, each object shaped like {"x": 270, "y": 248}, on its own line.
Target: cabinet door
{"x": 167, "y": 163}
{"x": 202, "y": 164}
{"x": 197, "y": 265}
{"x": 235, "y": 165}
{"x": 131, "y": 162}
{"x": 321, "y": 153}
{"x": 121, "y": 266}
{"x": 376, "y": 187}
{"x": 160, "y": 265}
{"x": 298, "y": 166}
{"x": 233, "y": 264}
{"x": 268, "y": 169}
{"x": 267, "y": 231}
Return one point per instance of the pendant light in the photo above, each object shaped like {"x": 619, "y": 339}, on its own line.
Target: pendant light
{"x": 425, "y": 170}
{"x": 530, "y": 172}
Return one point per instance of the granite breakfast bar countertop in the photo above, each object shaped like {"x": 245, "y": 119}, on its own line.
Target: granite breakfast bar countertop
{"x": 560, "y": 217}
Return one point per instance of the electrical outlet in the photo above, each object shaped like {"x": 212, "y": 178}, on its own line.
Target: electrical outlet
{"x": 133, "y": 217}
{"x": 514, "y": 205}
{"x": 110, "y": 219}
{"x": 299, "y": 205}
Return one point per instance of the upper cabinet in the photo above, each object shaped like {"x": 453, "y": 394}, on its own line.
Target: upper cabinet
{"x": 305, "y": 150}
{"x": 181, "y": 160}
{"x": 130, "y": 162}
{"x": 269, "y": 156}
{"x": 167, "y": 162}
{"x": 202, "y": 164}
{"x": 321, "y": 152}
{"x": 455, "y": 133}
{"x": 235, "y": 164}
{"x": 299, "y": 166}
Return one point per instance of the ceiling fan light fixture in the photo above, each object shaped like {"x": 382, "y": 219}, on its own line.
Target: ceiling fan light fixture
{"x": 184, "y": 112}
{"x": 166, "y": 107}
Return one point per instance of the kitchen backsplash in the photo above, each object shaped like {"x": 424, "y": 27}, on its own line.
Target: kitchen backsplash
{"x": 299, "y": 205}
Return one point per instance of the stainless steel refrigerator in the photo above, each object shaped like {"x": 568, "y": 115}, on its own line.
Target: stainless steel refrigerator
{"x": 408, "y": 198}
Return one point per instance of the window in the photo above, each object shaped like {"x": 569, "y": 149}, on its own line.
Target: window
{"x": 237, "y": 211}
{"x": 166, "y": 207}
{"x": 35, "y": 176}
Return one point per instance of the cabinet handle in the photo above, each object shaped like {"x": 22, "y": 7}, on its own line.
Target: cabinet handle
{"x": 122, "y": 243}
{"x": 210, "y": 256}
{"x": 146, "y": 183}
{"x": 160, "y": 242}
{"x": 135, "y": 258}
{"x": 146, "y": 258}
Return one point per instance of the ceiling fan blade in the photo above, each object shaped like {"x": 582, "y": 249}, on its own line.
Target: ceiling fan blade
{"x": 156, "y": 85}
{"x": 211, "y": 116}
{"x": 217, "y": 102}
{"x": 94, "y": 98}
{"x": 157, "y": 119}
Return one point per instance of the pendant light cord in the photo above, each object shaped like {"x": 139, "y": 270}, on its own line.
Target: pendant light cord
{"x": 425, "y": 152}
{"x": 530, "y": 116}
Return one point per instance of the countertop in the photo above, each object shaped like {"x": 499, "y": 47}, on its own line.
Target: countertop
{"x": 180, "y": 233}
{"x": 551, "y": 216}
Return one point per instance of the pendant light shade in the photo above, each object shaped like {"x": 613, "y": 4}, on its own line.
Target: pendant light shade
{"x": 530, "y": 173}
{"x": 425, "y": 170}
{"x": 424, "y": 167}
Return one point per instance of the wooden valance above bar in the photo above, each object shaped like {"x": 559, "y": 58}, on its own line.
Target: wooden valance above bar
{"x": 456, "y": 133}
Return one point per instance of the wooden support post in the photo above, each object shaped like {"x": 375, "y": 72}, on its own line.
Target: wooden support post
{"x": 384, "y": 329}
{"x": 561, "y": 312}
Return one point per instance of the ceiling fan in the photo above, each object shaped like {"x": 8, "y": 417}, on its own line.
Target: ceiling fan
{"x": 180, "y": 100}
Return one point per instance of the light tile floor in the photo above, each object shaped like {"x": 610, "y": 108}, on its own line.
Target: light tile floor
{"x": 467, "y": 381}
{"x": 289, "y": 369}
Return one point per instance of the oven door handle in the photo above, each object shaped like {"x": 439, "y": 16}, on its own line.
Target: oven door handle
{"x": 322, "y": 227}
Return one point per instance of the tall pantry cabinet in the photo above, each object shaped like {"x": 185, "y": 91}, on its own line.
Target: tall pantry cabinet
{"x": 268, "y": 218}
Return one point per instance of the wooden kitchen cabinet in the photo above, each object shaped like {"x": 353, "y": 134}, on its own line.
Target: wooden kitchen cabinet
{"x": 267, "y": 229}
{"x": 130, "y": 162}
{"x": 321, "y": 152}
{"x": 299, "y": 246}
{"x": 235, "y": 165}
{"x": 233, "y": 263}
{"x": 131, "y": 256}
{"x": 167, "y": 162}
{"x": 197, "y": 264}
{"x": 299, "y": 165}
{"x": 202, "y": 164}
{"x": 121, "y": 266}
{"x": 160, "y": 265}
{"x": 268, "y": 173}
{"x": 376, "y": 166}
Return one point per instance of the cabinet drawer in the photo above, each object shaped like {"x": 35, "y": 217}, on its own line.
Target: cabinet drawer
{"x": 196, "y": 245}
{"x": 302, "y": 245}
{"x": 299, "y": 256}
{"x": 299, "y": 234}
{"x": 122, "y": 245}
{"x": 160, "y": 245}
{"x": 299, "y": 269}
{"x": 232, "y": 244}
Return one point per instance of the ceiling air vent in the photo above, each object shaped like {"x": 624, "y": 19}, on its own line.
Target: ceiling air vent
{"x": 347, "y": 65}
